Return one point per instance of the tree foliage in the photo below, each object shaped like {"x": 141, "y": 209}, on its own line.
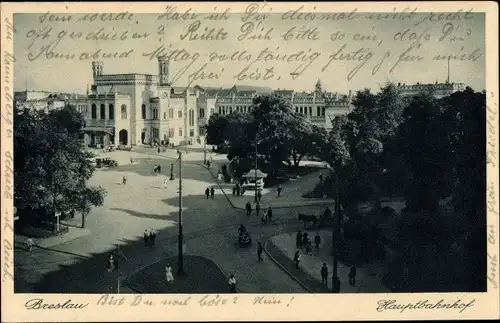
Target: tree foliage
{"x": 51, "y": 165}
{"x": 432, "y": 151}
{"x": 281, "y": 135}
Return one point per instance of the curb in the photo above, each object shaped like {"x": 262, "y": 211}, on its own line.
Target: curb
{"x": 284, "y": 269}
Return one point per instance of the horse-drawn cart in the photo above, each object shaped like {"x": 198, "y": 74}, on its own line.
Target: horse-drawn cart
{"x": 322, "y": 220}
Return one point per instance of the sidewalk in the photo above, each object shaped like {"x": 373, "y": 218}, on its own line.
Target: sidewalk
{"x": 72, "y": 234}
{"x": 282, "y": 248}
{"x": 291, "y": 196}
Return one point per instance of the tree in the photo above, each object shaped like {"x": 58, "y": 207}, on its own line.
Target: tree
{"x": 278, "y": 132}
{"x": 420, "y": 136}
{"x": 215, "y": 129}
{"x": 51, "y": 165}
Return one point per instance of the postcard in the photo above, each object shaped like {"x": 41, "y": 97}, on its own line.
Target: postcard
{"x": 249, "y": 161}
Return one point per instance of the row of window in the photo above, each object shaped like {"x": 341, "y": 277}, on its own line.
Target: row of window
{"x": 226, "y": 110}
{"x": 320, "y": 111}
{"x": 171, "y": 132}
{"x": 111, "y": 112}
{"x": 155, "y": 114}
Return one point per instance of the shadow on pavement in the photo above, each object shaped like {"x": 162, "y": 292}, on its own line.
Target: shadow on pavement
{"x": 202, "y": 275}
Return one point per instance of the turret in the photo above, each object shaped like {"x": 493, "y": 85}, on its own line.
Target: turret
{"x": 163, "y": 65}
{"x": 97, "y": 68}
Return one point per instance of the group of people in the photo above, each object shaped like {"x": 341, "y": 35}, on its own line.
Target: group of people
{"x": 157, "y": 169}
{"x": 303, "y": 241}
{"x": 239, "y": 190}
{"x": 149, "y": 238}
{"x": 266, "y": 216}
{"x": 210, "y": 192}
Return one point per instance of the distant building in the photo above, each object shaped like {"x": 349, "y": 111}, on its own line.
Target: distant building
{"x": 44, "y": 100}
{"x": 438, "y": 90}
{"x": 318, "y": 106}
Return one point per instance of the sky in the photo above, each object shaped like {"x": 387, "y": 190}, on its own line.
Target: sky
{"x": 388, "y": 53}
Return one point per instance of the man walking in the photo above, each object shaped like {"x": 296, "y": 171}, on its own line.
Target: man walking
{"x": 298, "y": 239}
{"x": 165, "y": 182}
{"x": 270, "y": 214}
{"x": 296, "y": 259}
{"x": 152, "y": 237}
{"x": 324, "y": 275}
{"x": 352, "y": 275}
{"x": 279, "y": 189}
{"x": 146, "y": 238}
{"x": 212, "y": 192}
{"x": 259, "y": 252}
{"x": 259, "y": 195}
{"x": 232, "y": 284}
{"x": 317, "y": 241}
{"x": 257, "y": 208}
{"x": 248, "y": 207}
{"x": 207, "y": 193}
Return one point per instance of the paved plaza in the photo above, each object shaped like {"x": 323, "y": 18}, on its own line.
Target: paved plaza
{"x": 144, "y": 203}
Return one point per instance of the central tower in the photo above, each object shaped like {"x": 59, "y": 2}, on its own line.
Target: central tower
{"x": 163, "y": 65}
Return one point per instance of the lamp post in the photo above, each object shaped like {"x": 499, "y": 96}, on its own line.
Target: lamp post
{"x": 256, "y": 161}
{"x": 180, "y": 270}
{"x": 205, "y": 149}
{"x": 335, "y": 233}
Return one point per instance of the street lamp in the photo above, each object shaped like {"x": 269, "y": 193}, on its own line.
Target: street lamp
{"x": 256, "y": 162}
{"x": 335, "y": 233}
{"x": 205, "y": 149}
{"x": 180, "y": 270}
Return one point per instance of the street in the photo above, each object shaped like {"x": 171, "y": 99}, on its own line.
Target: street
{"x": 144, "y": 203}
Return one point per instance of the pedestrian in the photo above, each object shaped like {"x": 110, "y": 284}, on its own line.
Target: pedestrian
{"x": 259, "y": 252}
{"x": 168, "y": 274}
{"x": 146, "y": 238}
{"x": 352, "y": 275}
{"x": 232, "y": 284}
{"x": 259, "y": 195}
{"x": 208, "y": 163}
{"x": 131, "y": 161}
{"x": 317, "y": 241}
{"x": 207, "y": 193}
{"x": 152, "y": 237}
{"x": 111, "y": 263}
{"x": 248, "y": 207}
{"x": 298, "y": 239}
{"x": 270, "y": 213}
{"x": 257, "y": 208}
{"x": 212, "y": 192}
{"x": 280, "y": 189}
{"x": 159, "y": 168}
{"x": 324, "y": 274}
{"x": 234, "y": 190}
{"x": 309, "y": 247}
{"x": 219, "y": 175}
{"x": 305, "y": 237}
{"x": 165, "y": 182}
{"x": 124, "y": 180}
{"x": 29, "y": 244}
{"x": 158, "y": 150}
{"x": 296, "y": 259}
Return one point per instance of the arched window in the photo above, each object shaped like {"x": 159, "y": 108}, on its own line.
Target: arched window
{"x": 103, "y": 111}
{"x": 94, "y": 111}
{"x": 111, "y": 112}
{"x": 191, "y": 117}
{"x": 124, "y": 111}
{"x": 143, "y": 111}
